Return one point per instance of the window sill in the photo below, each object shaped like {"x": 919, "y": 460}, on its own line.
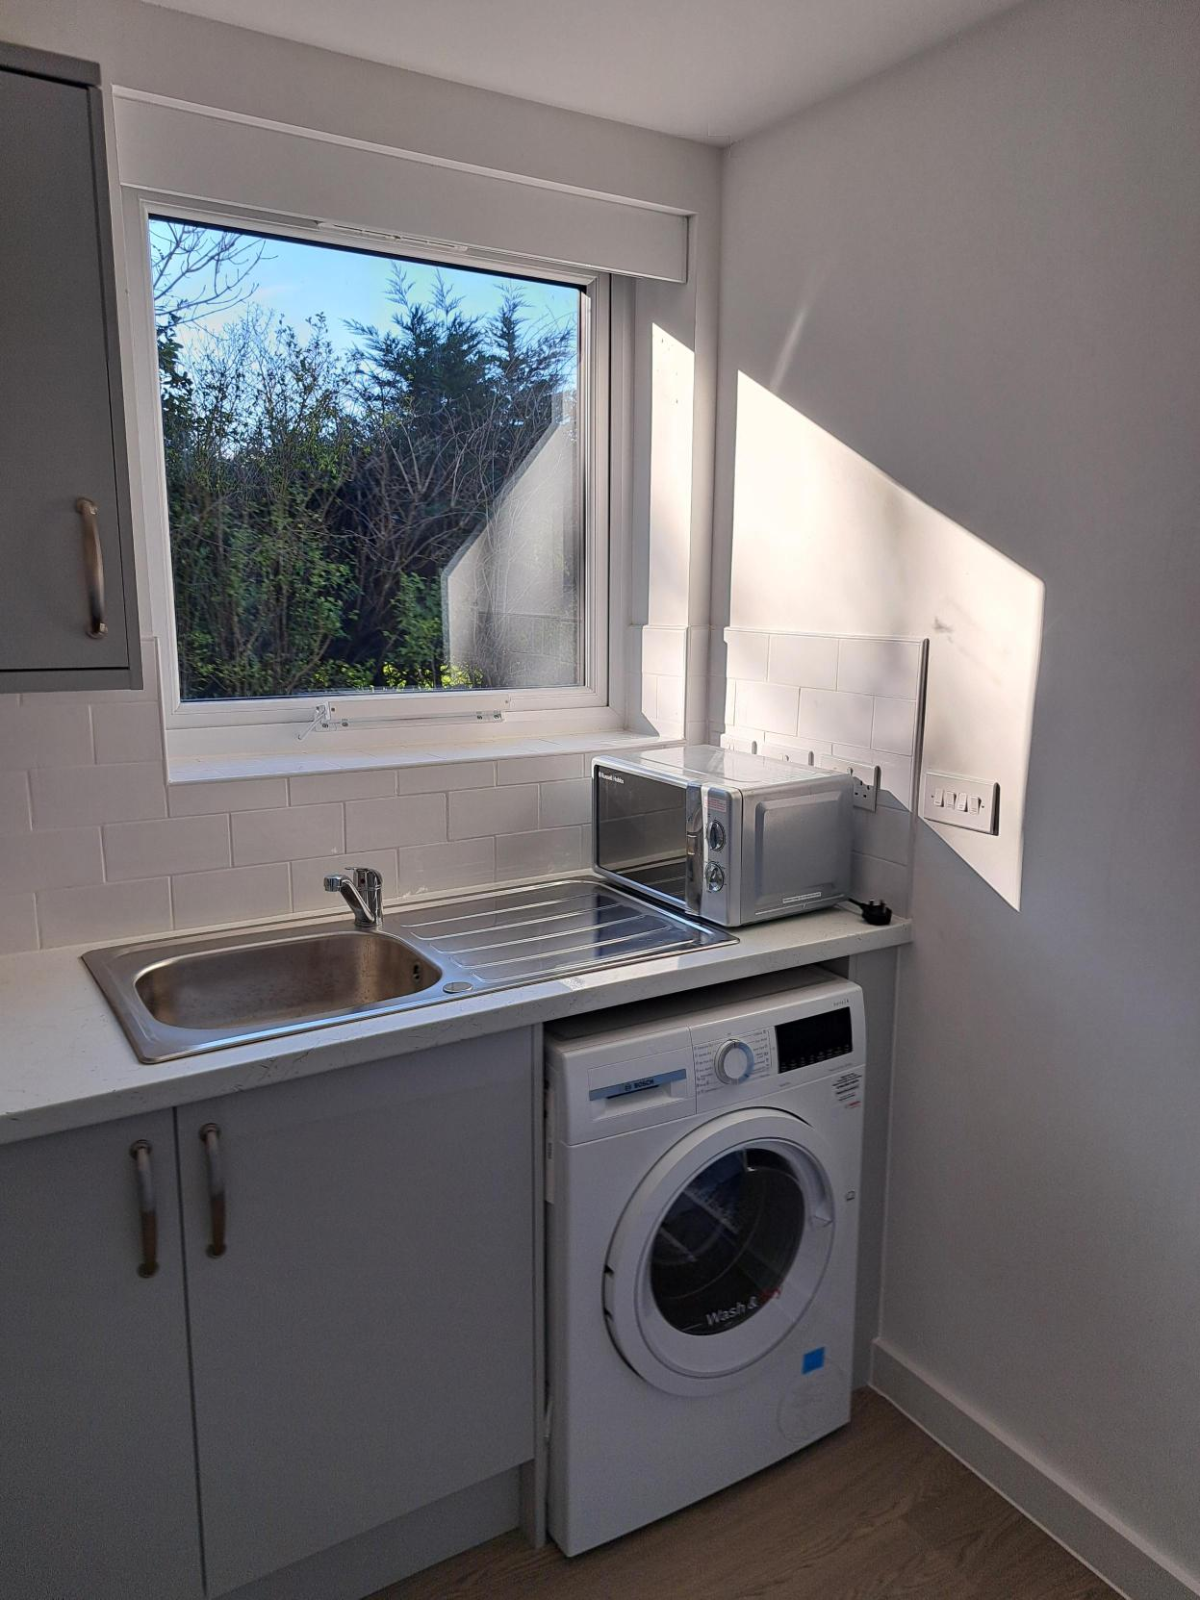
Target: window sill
{"x": 313, "y": 757}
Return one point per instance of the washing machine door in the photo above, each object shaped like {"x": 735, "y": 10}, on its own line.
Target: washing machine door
{"x": 720, "y": 1252}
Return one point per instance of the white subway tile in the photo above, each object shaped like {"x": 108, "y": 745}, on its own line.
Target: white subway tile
{"x": 104, "y": 912}
{"x": 566, "y": 804}
{"x": 18, "y": 923}
{"x": 130, "y": 732}
{"x": 289, "y": 834}
{"x": 14, "y": 802}
{"x": 384, "y": 824}
{"x": 530, "y": 855}
{"x": 311, "y": 788}
{"x": 442, "y": 776}
{"x": 670, "y": 700}
{"x": 163, "y": 848}
{"x": 57, "y": 860}
{"x": 36, "y": 735}
{"x": 664, "y": 650}
{"x": 540, "y": 769}
{"x": 234, "y": 894}
{"x": 793, "y": 750}
{"x": 806, "y": 659}
{"x": 894, "y": 728}
{"x": 746, "y": 655}
{"x": 770, "y": 706}
{"x": 432, "y": 868}
{"x": 873, "y": 879}
{"x": 880, "y": 666}
{"x": 65, "y": 797}
{"x": 477, "y": 812}
{"x": 830, "y": 714}
{"x": 232, "y": 794}
{"x": 886, "y": 833}
{"x": 308, "y": 878}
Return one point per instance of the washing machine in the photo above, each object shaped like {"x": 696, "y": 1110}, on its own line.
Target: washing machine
{"x": 703, "y": 1161}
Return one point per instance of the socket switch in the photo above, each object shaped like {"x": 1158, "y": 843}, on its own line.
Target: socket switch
{"x": 961, "y": 802}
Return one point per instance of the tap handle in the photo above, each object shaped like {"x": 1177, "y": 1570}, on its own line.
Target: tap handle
{"x": 369, "y": 884}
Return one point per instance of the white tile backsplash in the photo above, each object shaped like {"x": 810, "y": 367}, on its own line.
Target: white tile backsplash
{"x": 540, "y": 769}
{"x": 237, "y": 794}
{"x": 106, "y": 911}
{"x": 289, "y": 834}
{"x": 312, "y": 788}
{"x": 809, "y": 660}
{"x": 475, "y": 813}
{"x": 894, "y": 727}
{"x": 529, "y": 855}
{"x": 60, "y": 859}
{"x": 408, "y": 819}
{"x": 773, "y": 707}
{"x": 833, "y": 715}
{"x": 65, "y": 797}
{"x": 18, "y": 923}
{"x": 566, "y": 804}
{"x": 14, "y": 802}
{"x": 432, "y": 868}
{"x": 31, "y": 735}
{"x": 234, "y": 894}
{"x": 129, "y": 732}
{"x": 157, "y": 849}
{"x": 889, "y": 667}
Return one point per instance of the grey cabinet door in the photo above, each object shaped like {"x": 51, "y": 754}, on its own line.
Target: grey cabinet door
{"x": 364, "y": 1345}
{"x": 97, "y": 1467}
{"x": 61, "y": 428}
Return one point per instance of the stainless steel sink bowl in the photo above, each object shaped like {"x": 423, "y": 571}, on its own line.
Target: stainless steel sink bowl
{"x": 186, "y": 995}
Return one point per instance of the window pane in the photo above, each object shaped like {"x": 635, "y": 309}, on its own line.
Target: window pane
{"x": 373, "y": 469}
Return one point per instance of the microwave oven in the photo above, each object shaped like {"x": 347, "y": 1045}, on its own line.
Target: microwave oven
{"x": 732, "y": 838}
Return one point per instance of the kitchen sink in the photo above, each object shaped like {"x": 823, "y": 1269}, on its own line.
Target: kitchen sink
{"x": 183, "y": 996}
{"x": 180, "y": 996}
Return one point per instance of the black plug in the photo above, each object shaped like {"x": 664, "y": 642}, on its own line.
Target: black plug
{"x": 877, "y": 912}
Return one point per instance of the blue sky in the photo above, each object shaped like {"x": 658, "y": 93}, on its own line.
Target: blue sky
{"x": 296, "y": 280}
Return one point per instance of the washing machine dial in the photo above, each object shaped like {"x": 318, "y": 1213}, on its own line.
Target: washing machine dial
{"x": 734, "y": 1061}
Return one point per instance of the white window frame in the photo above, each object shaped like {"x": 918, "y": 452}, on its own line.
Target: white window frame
{"x": 593, "y": 706}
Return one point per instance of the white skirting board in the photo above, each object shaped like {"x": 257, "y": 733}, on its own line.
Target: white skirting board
{"x": 1097, "y": 1538}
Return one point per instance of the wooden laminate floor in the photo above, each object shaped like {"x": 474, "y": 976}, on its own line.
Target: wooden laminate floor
{"x": 875, "y": 1512}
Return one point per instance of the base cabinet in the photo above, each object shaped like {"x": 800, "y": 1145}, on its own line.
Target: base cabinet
{"x": 363, "y": 1333}
{"x": 97, "y": 1467}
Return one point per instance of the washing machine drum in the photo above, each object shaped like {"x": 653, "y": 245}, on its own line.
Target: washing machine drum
{"x": 720, "y": 1252}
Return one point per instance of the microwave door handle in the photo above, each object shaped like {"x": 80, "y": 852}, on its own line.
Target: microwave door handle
{"x": 694, "y": 848}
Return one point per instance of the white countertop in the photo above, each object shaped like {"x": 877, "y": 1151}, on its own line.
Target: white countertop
{"x": 65, "y": 1063}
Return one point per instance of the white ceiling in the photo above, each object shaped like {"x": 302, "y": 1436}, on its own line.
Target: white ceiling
{"x": 707, "y": 69}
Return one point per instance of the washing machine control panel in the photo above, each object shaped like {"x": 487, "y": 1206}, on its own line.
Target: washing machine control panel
{"x": 730, "y": 1055}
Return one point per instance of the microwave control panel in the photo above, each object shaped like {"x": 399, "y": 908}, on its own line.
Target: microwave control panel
{"x": 718, "y": 866}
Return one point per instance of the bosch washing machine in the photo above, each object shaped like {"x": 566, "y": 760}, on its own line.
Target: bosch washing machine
{"x": 702, "y": 1177}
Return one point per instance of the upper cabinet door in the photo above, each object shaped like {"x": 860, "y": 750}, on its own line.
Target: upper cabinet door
{"x": 67, "y": 602}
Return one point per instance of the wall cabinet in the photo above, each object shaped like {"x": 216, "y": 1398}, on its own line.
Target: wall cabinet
{"x": 68, "y": 604}
{"x": 357, "y": 1340}
{"x": 97, "y": 1467}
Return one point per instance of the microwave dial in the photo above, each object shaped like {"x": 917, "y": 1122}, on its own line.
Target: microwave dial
{"x": 714, "y": 877}
{"x": 716, "y": 836}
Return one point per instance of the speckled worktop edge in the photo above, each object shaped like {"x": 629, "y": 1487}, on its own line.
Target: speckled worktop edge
{"x": 65, "y": 1063}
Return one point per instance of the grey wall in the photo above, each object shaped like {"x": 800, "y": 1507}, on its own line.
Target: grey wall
{"x": 988, "y": 263}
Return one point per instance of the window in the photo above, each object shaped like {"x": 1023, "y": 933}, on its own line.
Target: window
{"x": 380, "y": 476}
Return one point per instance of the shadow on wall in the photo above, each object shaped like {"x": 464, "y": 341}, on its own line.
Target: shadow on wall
{"x": 826, "y": 543}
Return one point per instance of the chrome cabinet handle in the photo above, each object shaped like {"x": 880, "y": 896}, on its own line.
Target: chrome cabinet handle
{"x": 147, "y": 1207}
{"x": 210, "y": 1138}
{"x": 93, "y": 566}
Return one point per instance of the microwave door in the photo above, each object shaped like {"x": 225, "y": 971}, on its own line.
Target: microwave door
{"x": 647, "y": 833}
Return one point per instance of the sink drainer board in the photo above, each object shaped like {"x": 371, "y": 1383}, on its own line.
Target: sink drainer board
{"x": 550, "y": 930}
{"x": 181, "y": 996}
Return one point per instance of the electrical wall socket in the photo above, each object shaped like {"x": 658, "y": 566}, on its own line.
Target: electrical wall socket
{"x": 866, "y": 780}
{"x": 961, "y": 802}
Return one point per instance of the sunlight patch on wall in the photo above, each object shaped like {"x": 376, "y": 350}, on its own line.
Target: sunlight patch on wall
{"x": 824, "y": 542}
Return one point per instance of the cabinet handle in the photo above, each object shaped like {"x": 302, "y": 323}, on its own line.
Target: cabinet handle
{"x": 93, "y": 566}
{"x": 147, "y": 1207}
{"x": 210, "y": 1138}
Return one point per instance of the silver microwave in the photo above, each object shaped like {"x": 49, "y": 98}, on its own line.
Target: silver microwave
{"x": 732, "y": 838}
